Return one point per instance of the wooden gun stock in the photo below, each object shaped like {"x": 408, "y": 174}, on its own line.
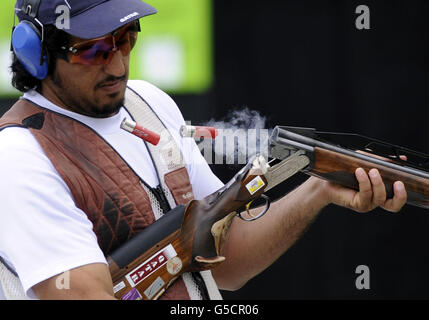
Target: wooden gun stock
{"x": 187, "y": 239}
{"x": 143, "y": 259}
{"x": 337, "y": 163}
{"x": 340, "y": 168}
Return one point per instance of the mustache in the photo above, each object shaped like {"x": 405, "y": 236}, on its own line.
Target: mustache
{"x": 110, "y": 79}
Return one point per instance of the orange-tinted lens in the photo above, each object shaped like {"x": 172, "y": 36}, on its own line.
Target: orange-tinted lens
{"x": 127, "y": 42}
{"x": 96, "y": 52}
{"x": 101, "y": 51}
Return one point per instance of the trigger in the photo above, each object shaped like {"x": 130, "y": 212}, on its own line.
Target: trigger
{"x": 248, "y": 209}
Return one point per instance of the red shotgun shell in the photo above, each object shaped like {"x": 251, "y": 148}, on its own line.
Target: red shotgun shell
{"x": 199, "y": 132}
{"x": 142, "y": 133}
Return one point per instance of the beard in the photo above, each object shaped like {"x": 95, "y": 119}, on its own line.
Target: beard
{"x": 107, "y": 110}
{"x": 71, "y": 98}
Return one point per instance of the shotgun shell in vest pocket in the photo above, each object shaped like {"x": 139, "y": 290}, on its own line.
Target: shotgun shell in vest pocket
{"x": 142, "y": 133}
{"x": 198, "y": 132}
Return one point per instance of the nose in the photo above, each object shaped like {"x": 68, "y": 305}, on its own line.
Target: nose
{"x": 116, "y": 67}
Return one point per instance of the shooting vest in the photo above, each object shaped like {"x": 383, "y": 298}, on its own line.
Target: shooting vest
{"x": 103, "y": 185}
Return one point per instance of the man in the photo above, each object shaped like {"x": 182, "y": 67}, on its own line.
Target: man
{"x": 75, "y": 186}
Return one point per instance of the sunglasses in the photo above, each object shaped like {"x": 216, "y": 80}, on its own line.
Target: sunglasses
{"x": 101, "y": 50}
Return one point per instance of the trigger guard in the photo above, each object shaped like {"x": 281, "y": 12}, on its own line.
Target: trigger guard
{"x": 267, "y": 207}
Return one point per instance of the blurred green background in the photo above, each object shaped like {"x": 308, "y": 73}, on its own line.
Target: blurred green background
{"x": 174, "y": 51}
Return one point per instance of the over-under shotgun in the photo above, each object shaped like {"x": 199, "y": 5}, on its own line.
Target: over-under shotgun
{"x": 189, "y": 238}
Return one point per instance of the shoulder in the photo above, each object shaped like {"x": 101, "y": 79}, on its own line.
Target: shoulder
{"x": 148, "y": 89}
{"x": 161, "y": 103}
{"x": 21, "y": 155}
{"x": 16, "y": 139}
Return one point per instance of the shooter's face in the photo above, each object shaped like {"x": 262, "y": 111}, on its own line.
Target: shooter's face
{"x": 92, "y": 90}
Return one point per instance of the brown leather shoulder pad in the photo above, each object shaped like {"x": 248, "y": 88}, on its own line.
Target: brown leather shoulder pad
{"x": 23, "y": 113}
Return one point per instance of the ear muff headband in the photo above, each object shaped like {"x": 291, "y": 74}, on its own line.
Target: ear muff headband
{"x": 27, "y": 42}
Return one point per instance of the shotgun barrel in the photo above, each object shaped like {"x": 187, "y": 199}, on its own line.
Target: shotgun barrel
{"x": 336, "y": 156}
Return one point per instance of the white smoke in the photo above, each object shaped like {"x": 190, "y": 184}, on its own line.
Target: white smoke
{"x": 242, "y": 134}
{"x": 240, "y": 119}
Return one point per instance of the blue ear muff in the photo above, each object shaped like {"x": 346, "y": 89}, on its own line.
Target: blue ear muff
{"x": 27, "y": 45}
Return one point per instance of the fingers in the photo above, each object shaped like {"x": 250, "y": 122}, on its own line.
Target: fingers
{"x": 399, "y": 199}
{"x": 379, "y": 193}
{"x": 372, "y": 192}
{"x": 378, "y": 188}
{"x": 363, "y": 199}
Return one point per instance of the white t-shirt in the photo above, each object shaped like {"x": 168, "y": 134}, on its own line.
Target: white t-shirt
{"x": 42, "y": 232}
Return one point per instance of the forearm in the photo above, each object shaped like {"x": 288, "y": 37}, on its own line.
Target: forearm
{"x": 253, "y": 246}
{"x": 55, "y": 294}
{"x": 89, "y": 282}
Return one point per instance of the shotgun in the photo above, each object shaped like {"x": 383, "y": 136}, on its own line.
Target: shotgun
{"x": 189, "y": 238}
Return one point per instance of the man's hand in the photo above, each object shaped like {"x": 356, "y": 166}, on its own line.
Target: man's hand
{"x": 371, "y": 194}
